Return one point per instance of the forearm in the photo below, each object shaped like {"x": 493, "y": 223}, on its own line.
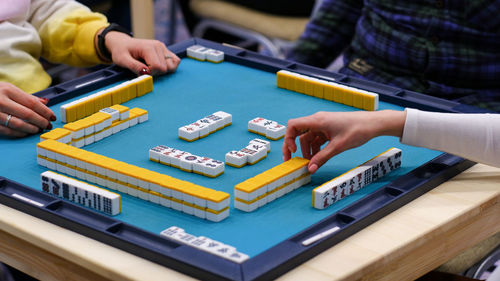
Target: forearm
{"x": 67, "y": 30}
{"x": 472, "y": 136}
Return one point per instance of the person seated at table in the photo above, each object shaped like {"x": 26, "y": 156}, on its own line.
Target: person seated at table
{"x": 447, "y": 49}
{"x": 326, "y": 134}
{"x": 60, "y": 31}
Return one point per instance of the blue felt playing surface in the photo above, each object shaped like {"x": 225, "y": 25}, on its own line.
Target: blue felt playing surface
{"x": 196, "y": 90}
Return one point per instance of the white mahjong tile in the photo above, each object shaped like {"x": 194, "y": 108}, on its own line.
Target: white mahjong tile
{"x": 214, "y": 55}
{"x": 153, "y": 198}
{"x": 200, "y": 213}
{"x": 236, "y": 158}
{"x": 196, "y": 51}
{"x": 225, "y": 251}
{"x": 166, "y": 155}
{"x": 203, "y": 128}
{"x": 99, "y": 126}
{"x": 115, "y": 114}
{"x": 262, "y": 201}
{"x": 189, "y": 132}
{"x": 177, "y": 194}
{"x": 176, "y": 205}
{"x": 200, "y": 202}
{"x": 41, "y": 151}
{"x": 259, "y": 154}
{"x": 185, "y": 238}
{"x": 217, "y": 217}
{"x": 165, "y": 202}
{"x": 257, "y": 125}
{"x": 199, "y": 165}
{"x": 154, "y": 153}
{"x": 226, "y": 118}
{"x": 89, "y": 130}
{"x": 97, "y": 137}
{"x": 143, "y": 118}
{"x": 78, "y": 134}
{"x": 51, "y": 165}
{"x": 171, "y": 231}
{"x": 155, "y": 187}
{"x": 122, "y": 188}
{"x": 164, "y": 191}
{"x": 200, "y": 242}
{"x": 124, "y": 125}
{"x": 217, "y": 206}
{"x": 187, "y": 162}
{"x": 175, "y": 158}
{"x": 125, "y": 115}
{"x": 208, "y": 123}
{"x": 213, "y": 168}
{"x": 133, "y": 121}
{"x": 116, "y": 128}
{"x": 42, "y": 162}
{"x": 67, "y": 139}
{"x": 132, "y": 191}
{"x": 89, "y": 139}
{"x": 79, "y": 143}
{"x": 280, "y": 192}
{"x": 241, "y": 206}
{"x": 238, "y": 257}
{"x": 187, "y": 209}
{"x": 271, "y": 197}
{"x": 218, "y": 121}
{"x": 275, "y": 131}
{"x": 262, "y": 142}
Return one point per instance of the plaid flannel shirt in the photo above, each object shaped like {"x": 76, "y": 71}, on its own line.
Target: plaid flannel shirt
{"x": 444, "y": 48}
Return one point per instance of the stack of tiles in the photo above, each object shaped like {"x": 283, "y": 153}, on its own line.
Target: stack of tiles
{"x": 271, "y": 184}
{"x": 205, "y": 126}
{"x": 186, "y": 161}
{"x": 267, "y": 128}
{"x": 148, "y": 185}
{"x": 355, "y": 179}
{"x": 58, "y": 134}
{"x": 327, "y": 90}
{"x": 205, "y": 244}
{"x": 102, "y": 124}
{"x": 91, "y": 104}
{"x": 255, "y": 151}
{"x": 82, "y": 193}
{"x": 201, "y": 53}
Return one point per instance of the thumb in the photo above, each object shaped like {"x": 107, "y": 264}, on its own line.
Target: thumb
{"x": 323, "y": 156}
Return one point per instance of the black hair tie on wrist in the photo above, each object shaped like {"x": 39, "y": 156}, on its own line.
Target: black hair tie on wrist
{"x": 101, "y": 41}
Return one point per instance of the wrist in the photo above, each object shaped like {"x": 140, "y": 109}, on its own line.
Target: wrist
{"x": 390, "y": 123}
{"x": 101, "y": 46}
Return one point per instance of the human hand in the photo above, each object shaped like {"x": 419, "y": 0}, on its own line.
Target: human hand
{"x": 340, "y": 130}
{"x": 28, "y": 114}
{"x": 130, "y": 53}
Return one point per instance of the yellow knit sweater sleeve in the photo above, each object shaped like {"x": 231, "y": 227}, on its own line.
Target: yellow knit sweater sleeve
{"x": 67, "y": 33}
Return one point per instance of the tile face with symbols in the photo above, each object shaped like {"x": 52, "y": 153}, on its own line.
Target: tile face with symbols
{"x": 81, "y": 193}
{"x": 255, "y": 151}
{"x": 205, "y": 244}
{"x": 267, "y": 128}
{"x": 357, "y": 178}
{"x": 186, "y": 161}
{"x": 205, "y": 126}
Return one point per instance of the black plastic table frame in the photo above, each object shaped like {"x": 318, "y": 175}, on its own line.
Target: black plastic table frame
{"x": 285, "y": 255}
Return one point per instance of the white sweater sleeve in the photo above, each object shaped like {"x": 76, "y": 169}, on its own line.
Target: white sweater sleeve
{"x": 472, "y": 136}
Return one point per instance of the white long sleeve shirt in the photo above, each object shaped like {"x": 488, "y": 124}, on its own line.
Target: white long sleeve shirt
{"x": 471, "y": 136}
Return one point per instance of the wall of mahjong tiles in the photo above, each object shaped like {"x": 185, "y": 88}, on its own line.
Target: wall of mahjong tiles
{"x": 196, "y": 90}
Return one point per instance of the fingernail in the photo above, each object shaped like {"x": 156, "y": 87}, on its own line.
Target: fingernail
{"x": 144, "y": 71}
{"x": 313, "y": 168}
{"x": 44, "y": 100}
{"x": 49, "y": 127}
{"x": 53, "y": 118}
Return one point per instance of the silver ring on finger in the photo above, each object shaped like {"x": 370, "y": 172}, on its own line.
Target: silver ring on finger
{"x": 6, "y": 123}
{"x": 167, "y": 57}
